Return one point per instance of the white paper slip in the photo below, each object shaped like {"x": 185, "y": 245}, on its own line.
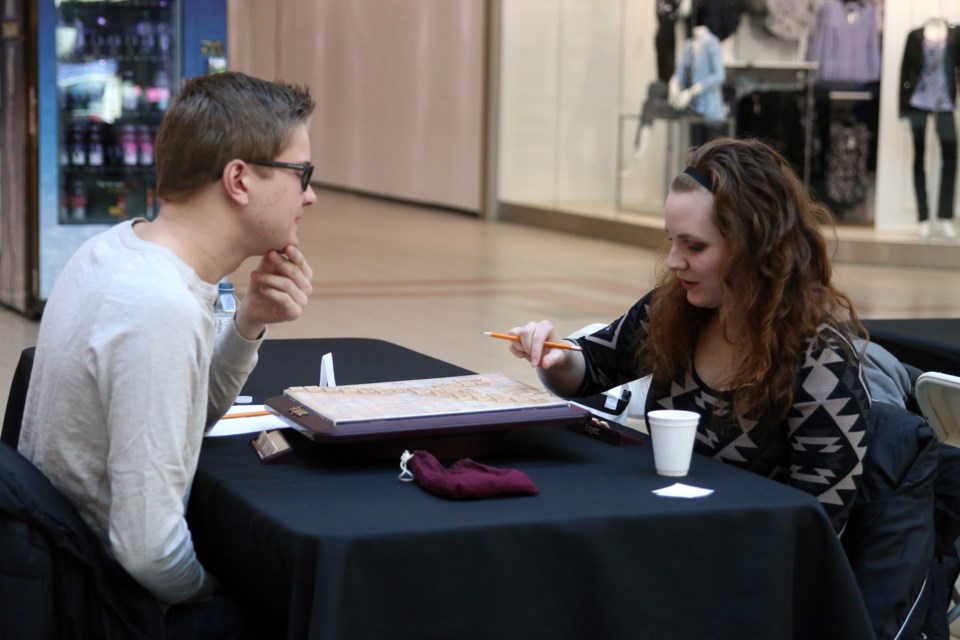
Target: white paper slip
{"x": 247, "y": 424}
{"x": 679, "y": 490}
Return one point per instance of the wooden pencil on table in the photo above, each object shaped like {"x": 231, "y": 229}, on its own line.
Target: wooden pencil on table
{"x": 569, "y": 346}
{"x": 246, "y": 414}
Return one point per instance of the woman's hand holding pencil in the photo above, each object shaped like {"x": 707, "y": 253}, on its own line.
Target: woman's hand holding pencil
{"x": 553, "y": 345}
{"x": 539, "y": 344}
{"x": 560, "y": 365}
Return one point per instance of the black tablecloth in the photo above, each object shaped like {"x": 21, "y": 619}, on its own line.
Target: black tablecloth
{"x": 930, "y": 344}
{"x": 339, "y": 548}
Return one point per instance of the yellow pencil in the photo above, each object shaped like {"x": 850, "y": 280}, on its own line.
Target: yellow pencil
{"x": 246, "y": 414}
{"x": 569, "y": 346}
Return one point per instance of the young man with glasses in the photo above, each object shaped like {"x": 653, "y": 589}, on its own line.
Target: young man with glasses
{"x": 129, "y": 371}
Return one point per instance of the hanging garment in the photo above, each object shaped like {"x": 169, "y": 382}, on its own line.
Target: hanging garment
{"x": 790, "y": 19}
{"x": 847, "y": 162}
{"x": 722, "y": 16}
{"x": 666, "y": 38}
{"x": 845, "y": 43}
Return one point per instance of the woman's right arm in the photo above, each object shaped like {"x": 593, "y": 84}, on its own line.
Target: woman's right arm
{"x": 560, "y": 370}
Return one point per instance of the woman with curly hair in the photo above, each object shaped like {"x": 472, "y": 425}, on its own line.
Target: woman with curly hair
{"x": 744, "y": 327}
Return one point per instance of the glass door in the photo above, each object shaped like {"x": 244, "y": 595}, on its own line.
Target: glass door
{"x": 116, "y": 63}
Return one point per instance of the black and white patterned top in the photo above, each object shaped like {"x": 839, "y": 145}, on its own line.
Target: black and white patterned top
{"x": 820, "y": 446}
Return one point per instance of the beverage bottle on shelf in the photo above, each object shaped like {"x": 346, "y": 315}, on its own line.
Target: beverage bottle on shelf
{"x": 145, "y": 33}
{"x": 145, "y": 145}
{"x": 160, "y": 92}
{"x": 98, "y": 43}
{"x": 164, "y": 40}
{"x": 131, "y": 43}
{"x": 78, "y": 145}
{"x": 78, "y": 200}
{"x": 114, "y": 43}
{"x": 112, "y": 154}
{"x": 64, "y": 147}
{"x": 129, "y": 92}
{"x": 225, "y": 306}
{"x": 95, "y": 145}
{"x": 128, "y": 145}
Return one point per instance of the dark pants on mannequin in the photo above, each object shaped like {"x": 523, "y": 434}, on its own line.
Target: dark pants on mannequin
{"x": 666, "y": 41}
{"x": 702, "y": 132}
{"x": 947, "y": 134}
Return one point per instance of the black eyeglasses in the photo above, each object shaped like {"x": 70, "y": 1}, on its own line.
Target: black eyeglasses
{"x": 305, "y": 169}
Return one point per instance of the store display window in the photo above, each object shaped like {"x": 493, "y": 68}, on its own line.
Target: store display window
{"x": 599, "y": 100}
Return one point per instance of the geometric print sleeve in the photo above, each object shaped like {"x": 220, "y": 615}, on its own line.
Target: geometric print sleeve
{"x": 610, "y": 353}
{"x": 826, "y": 426}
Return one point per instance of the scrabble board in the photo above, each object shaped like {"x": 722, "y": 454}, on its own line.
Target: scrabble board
{"x": 435, "y": 406}
{"x": 412, "y": 398}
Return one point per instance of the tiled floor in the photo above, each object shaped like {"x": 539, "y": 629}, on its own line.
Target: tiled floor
{"x": 434, "y": 280}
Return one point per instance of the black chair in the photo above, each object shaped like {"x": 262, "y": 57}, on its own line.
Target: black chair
{"x": 947, "y": 527}
{"x": 13, "y": 417}
{"x": 56, "y": 579}
{"x": 890, "y": 537}
{"x": 898, "y": 457}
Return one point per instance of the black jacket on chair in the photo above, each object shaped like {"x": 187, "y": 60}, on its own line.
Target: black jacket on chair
{"x": 889, "y": 538}
{"x": 56, "y": 579}
{"x": 17, "y": 398}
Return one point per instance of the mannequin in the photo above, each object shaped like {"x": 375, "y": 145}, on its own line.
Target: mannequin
{"x": 928, "y": 90}
{"x": 697, "y": 83}
{"x": 670, "y": 13}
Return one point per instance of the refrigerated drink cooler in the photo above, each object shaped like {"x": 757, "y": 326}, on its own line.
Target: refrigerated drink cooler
{"x": 91, "y": 81}
{"x": 116, "y": 63}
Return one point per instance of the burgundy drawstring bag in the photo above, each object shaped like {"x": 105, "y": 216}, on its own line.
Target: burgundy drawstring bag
{"x": 465, "y": 479}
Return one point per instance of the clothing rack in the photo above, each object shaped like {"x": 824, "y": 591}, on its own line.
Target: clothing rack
{"x": 750, "y": 77}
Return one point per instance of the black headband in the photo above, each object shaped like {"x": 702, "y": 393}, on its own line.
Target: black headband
{"x": 700, "y": 177}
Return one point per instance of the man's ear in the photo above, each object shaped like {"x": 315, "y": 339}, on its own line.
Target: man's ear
{"x": 236, "y": 181}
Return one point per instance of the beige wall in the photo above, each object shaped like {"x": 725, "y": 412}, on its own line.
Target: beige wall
{"x": 399, "y": 86}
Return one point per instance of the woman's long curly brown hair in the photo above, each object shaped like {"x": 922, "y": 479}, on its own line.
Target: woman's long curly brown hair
{"x": 777, "y": 287}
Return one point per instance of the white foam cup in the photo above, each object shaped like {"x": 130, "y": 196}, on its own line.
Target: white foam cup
{"x": 672, "y": 432}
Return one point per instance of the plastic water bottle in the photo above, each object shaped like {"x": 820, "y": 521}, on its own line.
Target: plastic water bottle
{"x": 225, "y": 307}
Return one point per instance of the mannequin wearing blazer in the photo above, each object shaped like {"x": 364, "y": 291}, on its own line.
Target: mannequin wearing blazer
{"x": 928, "y": 89}
{"x": 912, "y": 65}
